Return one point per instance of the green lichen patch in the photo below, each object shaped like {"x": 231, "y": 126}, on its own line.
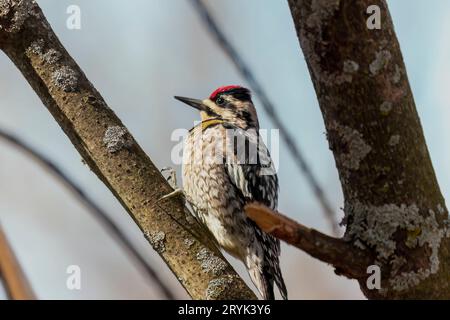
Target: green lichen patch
{"x": 13, "y": 14}
{"x": 394, "y": 140}
{"x": 386, "y": 108}
{"x": 65, "y": 78}
{"x": 188, "y": 242}
{"x": 157, "y": 240}
{"x": 50, "y": 56}
{"x": 217, "y": 287}
{"x": 350, "y": 66}
{"x": 356, "y": 149}
{"x": 382, "y": 59}
{"x": 116, "y": 138}
{"x": 210, "y": 262}
{"x": 376, "y": 226}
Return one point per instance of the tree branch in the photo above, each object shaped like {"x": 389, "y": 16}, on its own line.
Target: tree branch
{"x": 393, "y": 207}
{"x": 92, "y": 207}
{"x": 348, "y": 260}
{"x": 15, "y": 282}
{"x": 113, "y": 154}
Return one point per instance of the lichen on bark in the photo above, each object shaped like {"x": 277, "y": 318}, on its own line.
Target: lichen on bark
{"x": 390, "y": 188}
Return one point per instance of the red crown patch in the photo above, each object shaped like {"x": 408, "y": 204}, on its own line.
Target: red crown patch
{"x": 222, "y": 89}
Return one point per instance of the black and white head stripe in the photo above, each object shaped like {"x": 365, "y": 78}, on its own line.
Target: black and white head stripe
{"x": 241, "y": 94}
{"x": 237, "y": 92}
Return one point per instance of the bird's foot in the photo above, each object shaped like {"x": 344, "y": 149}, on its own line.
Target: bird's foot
{"x": 177, "y": 192}
{"x": 171, "y": 177}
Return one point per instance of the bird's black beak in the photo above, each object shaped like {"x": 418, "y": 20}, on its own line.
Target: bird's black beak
{"x": 197, "y": 104}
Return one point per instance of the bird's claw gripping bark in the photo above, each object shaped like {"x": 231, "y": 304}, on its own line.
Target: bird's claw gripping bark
{"x": 172, "y": 180}
{"x": 172, "y": 176}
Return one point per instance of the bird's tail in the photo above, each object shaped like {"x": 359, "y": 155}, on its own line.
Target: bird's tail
{"x": 264, "y": 274}
{"x": 280, "y": 282}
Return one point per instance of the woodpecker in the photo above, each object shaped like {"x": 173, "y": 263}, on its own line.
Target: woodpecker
{"x": 220, "y": 178}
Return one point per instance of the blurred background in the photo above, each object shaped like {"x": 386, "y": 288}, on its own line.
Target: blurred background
{"x": 141, "y": 53}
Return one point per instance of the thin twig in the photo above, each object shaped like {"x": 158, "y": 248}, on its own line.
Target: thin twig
{"x": 348, "y": 260}
{"x": 92, "y": 207}
{"x": 268, "y": 106}
{"x": 15, "y": 282}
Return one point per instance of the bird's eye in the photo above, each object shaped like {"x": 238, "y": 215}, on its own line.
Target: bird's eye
{"x": 220, "y": 101}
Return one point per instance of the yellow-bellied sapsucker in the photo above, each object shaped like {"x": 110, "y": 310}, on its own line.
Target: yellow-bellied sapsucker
{"x": 225, "y": 166}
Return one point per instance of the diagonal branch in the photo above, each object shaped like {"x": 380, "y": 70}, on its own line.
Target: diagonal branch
{"x": 344, "y": 256}
{"x": 96, "y": 211}
{"x": 114, "y": 155}
{"x": 393, "y": 204}
{"x": 15, "y": 282}
{"x": 269, "y": 107}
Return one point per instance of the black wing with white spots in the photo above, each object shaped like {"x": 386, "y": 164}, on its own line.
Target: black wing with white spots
{"x": 255, "y": 178}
